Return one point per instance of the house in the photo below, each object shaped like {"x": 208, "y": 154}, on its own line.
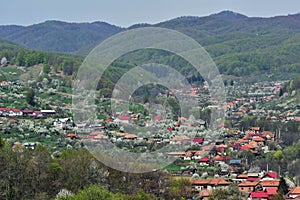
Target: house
{"x": 268, "y": 135}
{"x": 253, "y": 177}
{"x": 48, "y": 112}
{"x": 259, "y": 195}
{"x": 294, "y": 193}
{"x": 4, "y": 111}
{"x": 29, "y": 145}
{"x": 37, "y": 114}
{"x": 100, "y": 137}
{"x": 247, "y": 186}
{"x": 27, "y": 112}
{"x": 259, "y": 140}
{"x": 240, "y": 178}
{"x": 198, "y": 140}
{"x": 209, "y": 184}
{"x": 180, "y": 140}
{"x": 270, "y": 176}
{"x": 125, "y": 118}
{"x": 270, "y": 184}
{"x": 255, "y": 129}
{"x": 193, "y": 155}
{"x": 13, "y": 121}
{"x": 242, "y": 141}
{"x": 272, "y": 191}
{"x": 219, "y": 159}
{"x": 3, "y": 83}
{"x": 15, "y": 112}
{"x": 128, "y": 136}
{"x": 158, "y": 118}
{"x": 71, "y": 136}
{"x": 62, "y": 123}
{"x": 204, "y": 161}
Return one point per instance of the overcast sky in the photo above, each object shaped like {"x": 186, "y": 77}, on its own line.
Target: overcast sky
{"x": 128, "y": 12}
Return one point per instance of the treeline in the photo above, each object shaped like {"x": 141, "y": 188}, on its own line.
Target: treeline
{"x": 270, "y": 60}
{"x": 36, "y": 174}
{"x": 17, "y": 55}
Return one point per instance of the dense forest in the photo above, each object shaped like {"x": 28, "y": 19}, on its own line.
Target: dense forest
{"x": 240, "y": 45}
{"x": 20, "y": 56}
{"x": 36, "y": 174}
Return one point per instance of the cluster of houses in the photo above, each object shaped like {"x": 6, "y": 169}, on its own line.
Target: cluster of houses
{"x": 256, "y": 94}
{"x": 238, "y": 107}
{"x": 251, "y": 186}
{"x": 253, "y": 140}
{"x": 12, "y": 112}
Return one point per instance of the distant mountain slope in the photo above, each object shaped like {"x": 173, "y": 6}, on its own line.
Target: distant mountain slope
{"x": 59, "y": 36}
{"x": 239, "y": 45}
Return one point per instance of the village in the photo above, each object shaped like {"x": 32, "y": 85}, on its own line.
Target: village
{"x": 226, "y": 161}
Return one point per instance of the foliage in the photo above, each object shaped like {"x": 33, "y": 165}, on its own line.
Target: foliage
{"x": 20, "y": 56}
{"x": 59, "y": 36}
{"x": 239, "y": 45}
{"x": 91, "y": 193}
{"x": 220, "y": 194}
{"x": 30, "y": 96}
{"x": 283, "y": 187}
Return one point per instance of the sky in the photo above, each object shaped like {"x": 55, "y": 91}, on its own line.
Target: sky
{"x": 128, "y": 12}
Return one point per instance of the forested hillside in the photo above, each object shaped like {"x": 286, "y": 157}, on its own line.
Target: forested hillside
{"x": 240, "y": 45}
{"x": 59, "y": 36}
{"x": 21, "y": 56}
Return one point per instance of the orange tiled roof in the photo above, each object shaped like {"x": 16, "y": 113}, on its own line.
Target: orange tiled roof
{"x": 258, "y": 139}
{"x": 130, "y": 136}
{"x": 255, "y": 128}
{"x": 248, "y": 184}
{"x": 180, "y": 138}
{"x": 272, "y": 191}
{"x": 241, "y": 141}
{"x": 270, "y": 183}
{"x": 267, "y": 133}
{"x": 218, "y": 181}
{"x": 200, "y": 182}
{"x": 253, "y": 144}
{"x": 215, "y": 181}
{"x": 295, "y": 191}
{"x": 243, "y": 176}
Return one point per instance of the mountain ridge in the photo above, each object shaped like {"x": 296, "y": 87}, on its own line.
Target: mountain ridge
{"x": 238, "y": 44}
{"x": 74, "y": 37}
{"x": 53, "y": 35}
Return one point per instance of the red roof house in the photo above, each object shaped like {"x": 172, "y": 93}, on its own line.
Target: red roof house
{"x": 270, "y": 176}
{"x": 259, "y": 195}
{"x": 198, "y": 140}
{"x": 158, "y": 118}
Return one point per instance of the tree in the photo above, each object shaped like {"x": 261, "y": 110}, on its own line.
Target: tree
{"x": 278, "y": 155}
{"x": 91, "y": 193}
{"x": 30, "y": 97}
{"x": 221, "y": 194}
{"x": 283, "y": 187}
{"x": 80, "y": 169}
{"x": 46, "y": 68}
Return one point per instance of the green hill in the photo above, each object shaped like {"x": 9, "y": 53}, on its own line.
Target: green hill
{"x": 240, "y": 45}
{"x": 59, "y": 36}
